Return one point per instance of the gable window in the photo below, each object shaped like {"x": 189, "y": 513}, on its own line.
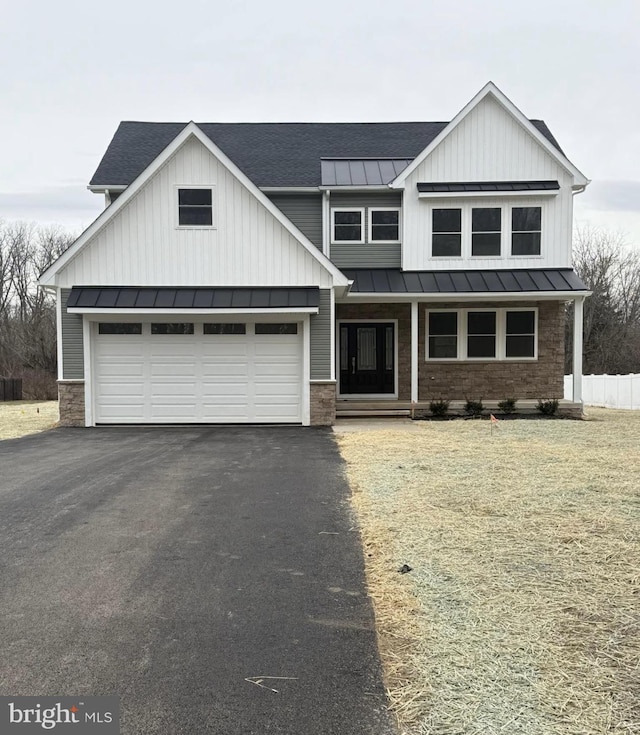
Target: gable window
{"x": 486, "y": 231}
{"x": 384, "y": 225}
{"x": 526, "y": 228}
{"x": 348, "y": 225}
{"x": 481, "y": 334}
{"x": 446, "y": 239}
{"x": 195, "y": 207}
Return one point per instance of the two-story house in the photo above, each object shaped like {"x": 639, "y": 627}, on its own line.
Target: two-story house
{"x": 283, "y": 272}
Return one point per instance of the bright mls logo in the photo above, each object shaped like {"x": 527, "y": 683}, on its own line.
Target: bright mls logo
{"x": 79, "y": 715}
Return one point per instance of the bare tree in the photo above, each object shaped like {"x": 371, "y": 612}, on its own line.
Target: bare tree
{"x": 611, "y": 271}
{"x": 27, "y": 313}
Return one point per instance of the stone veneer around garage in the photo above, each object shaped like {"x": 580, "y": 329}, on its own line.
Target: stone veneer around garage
{"x": 71, "y": 402}
{"x": 323, "y": 403}
{"x": 488, "y": 380}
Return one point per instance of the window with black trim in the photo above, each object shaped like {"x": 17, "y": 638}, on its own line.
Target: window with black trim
{"x": 526, "y": 230}
{"x": 446, "y": 237}
{"x": 225, "y": 328}
{"x": 384, "y": 225}
{"x": 486, "y": 231}
{"x": 348, "y": 225}
{"x": 286, "y": 328}
{"x": 195, "y": 207}
{"x": 119, "y": 328}
{"x": 172, "y": 328}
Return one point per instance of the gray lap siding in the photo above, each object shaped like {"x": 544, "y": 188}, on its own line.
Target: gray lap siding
{"x": 72, "y": 342}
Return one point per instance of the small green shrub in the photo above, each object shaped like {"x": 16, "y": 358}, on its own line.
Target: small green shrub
{"x": 474, "y": 408}
{"x": 508, "y": 405}
{"x": 439, "y": 407}
{"x": 548, "y": 407}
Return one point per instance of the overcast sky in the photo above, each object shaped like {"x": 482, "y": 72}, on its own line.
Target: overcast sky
{"x": 72, "y": 70}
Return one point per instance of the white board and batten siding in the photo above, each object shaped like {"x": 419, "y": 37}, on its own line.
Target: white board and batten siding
{"x": 251, "y": 378}
{"x": 143, "y": 246}
{"x": 488, "y": 145}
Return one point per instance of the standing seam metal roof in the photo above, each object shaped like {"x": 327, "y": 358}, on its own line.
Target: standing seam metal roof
{"x": 383, "y": 280}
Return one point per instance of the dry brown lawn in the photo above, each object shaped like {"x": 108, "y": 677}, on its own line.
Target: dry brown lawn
{"x": 521, "y": 614}
{"x": 18, "y": 418}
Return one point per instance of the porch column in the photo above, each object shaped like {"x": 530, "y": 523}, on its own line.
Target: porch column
{"x": 578, "y": 320}
{"x": 414, "y": 351}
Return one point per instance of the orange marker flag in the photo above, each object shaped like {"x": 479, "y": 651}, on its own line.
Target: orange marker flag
{"x": 494, "y": 420}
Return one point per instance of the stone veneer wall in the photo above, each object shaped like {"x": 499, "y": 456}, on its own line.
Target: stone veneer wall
{"x": 490, "y": 380}
{"x": 71, "y": 402}
{"x": 323, "y": 403}
{"x": 496, "y": 380}
{"x": 385, "y": 312}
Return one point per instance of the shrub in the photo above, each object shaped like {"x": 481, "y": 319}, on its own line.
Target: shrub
{"x": 548, "y": 407}
{"x": 439, "y": 407}
{"x": 474, "y": 408}
{"x": 508, "y": 405}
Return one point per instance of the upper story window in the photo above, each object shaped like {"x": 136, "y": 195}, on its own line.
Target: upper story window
{"x": 446, "y": 233}
{"x": 526, "y": 230}
{"x": 384, "y": 225}
{"x": 379, "y": 224}
{"x": 195, "y": 207}
{"x": 479, "y": 232}
{"x": 486, "y": 231}
{"x": 348, "y": 225}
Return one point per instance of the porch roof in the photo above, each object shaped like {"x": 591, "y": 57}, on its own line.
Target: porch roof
{"x": 396, "y": 281}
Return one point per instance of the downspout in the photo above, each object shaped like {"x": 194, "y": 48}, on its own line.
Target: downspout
{"x": 326, "y": 222}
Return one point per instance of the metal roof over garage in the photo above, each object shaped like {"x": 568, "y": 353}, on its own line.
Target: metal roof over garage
{"x": 127, "y": 297}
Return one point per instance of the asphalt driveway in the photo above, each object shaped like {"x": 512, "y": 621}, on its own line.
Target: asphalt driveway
{"x": 170, "y": 565}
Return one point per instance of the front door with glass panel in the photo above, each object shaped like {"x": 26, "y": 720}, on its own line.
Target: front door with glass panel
{"x": 367, "y": 358}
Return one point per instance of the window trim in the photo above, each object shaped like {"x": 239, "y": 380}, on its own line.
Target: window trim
{"x": 370, "y": 225}
{"x": 361, "y": 241}
{"x": 214, "y": 208}
{"x": 501, "y": 334}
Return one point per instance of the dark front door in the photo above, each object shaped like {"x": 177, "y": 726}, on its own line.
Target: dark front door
{"x": 367, "y": 358}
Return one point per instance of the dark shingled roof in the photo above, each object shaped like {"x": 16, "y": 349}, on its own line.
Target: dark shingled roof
{"x": 127, "y": 297}
{"x": 381, "y": 280}
{"x": 272, "y": 154}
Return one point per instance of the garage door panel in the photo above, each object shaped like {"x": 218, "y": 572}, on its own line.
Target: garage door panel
{"x": 198, "y": 378}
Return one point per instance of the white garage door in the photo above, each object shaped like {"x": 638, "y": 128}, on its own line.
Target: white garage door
{"x": 197, "y": 373}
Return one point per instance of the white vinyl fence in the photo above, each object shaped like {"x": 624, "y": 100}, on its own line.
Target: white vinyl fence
{"x": 612, "y": 391}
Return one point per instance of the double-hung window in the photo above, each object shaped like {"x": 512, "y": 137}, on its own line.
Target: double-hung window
{"x": 384, "y": 225}
{"x": 481, "y": 334}
{"x": 526, "y": 230}
{"x": 446, "y": 227}
{"x": 195, "y": 207}
{"x": 486, "y": 231}
{"x": 348, "y": 225}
